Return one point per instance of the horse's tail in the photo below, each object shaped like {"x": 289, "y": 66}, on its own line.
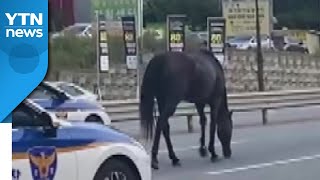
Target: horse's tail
{"x": 149, "y": 87}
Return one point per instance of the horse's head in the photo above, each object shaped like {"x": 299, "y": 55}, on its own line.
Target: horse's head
{"x": 230, "y": 114}
{"x": 226, "y": 127}
{"x": 230, "y": 117}
{"x": 227, "y": 116}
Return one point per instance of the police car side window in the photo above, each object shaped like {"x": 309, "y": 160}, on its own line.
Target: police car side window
{"x": 23, "y": 117}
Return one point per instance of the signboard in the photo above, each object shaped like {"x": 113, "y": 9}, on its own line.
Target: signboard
{"x": 115, "y": 9}
{"x": 130, "y": 42}
{"x": 103, "y": 48}
{"x": 176, "y": 32}
{"x": 241, "y": 17}
{"x": 216, "y": 36}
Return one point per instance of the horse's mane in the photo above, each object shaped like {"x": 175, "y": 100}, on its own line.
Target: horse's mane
{"x": 211, "y": 54}
{"x": 207, "y": 52}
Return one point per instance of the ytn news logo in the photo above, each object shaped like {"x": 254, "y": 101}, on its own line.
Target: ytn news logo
{"x": 21, "y": 25}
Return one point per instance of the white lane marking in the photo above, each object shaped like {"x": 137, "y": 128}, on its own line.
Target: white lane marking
{"x": 264, "y": 165}
{"x": 196, "y": 147}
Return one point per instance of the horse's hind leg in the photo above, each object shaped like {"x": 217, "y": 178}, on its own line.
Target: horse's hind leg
{"x": 167, "y": 111}
{"x": 203, "y": 121}
{"x": 172, "y": 155}
{"x": 155, "y": 146}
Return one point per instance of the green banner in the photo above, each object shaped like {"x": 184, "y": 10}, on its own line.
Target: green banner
{"x": 115, "y": 9}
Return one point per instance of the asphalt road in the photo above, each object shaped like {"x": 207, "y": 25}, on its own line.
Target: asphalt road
{"x": 287, "y": 148}
{"x": 280, "y": 152}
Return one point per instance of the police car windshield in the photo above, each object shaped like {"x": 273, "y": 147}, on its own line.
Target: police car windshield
{"x": 41, "y": 93}
{"x": 25, "y": 115}
{"x": 45, "y": 92}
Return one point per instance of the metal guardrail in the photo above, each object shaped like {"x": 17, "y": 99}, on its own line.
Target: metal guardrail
{"x": 128, "y": 110}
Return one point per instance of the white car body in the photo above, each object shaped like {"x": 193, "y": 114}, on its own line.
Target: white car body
{"x": 293, "y": 44}
{"x": 70, "y": 109}
{"x": 72, "y": 161}
{"x": 82, "y": 115}
{"x": 249, "y": 42}
{"x": 80, "y": 30}
{"x": 77, "y": 29}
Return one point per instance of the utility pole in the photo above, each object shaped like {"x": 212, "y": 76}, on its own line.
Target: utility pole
{"x": 97, "y": 13}
{"x": 140, "y": 44}
{"x": 260, "y": 59}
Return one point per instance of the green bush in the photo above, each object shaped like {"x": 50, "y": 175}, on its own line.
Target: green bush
{"x": 73, "y": 53}
{"x": 151, "y": 44}
{"x": 80, "y": 53}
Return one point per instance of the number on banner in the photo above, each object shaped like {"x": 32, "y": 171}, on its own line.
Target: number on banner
{"x": 216, "y": 38}
{"x": 103, "y": 36}
{"x": 176, "y": 37}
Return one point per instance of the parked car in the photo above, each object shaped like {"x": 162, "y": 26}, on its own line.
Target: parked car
{"x": 203, "y": 35}
{"x": 250, "y": 42}
{"x": 44, "y": 147}
{"x": 78, "y": 29}
{"x": 74, "y": 90}
{"x": 292, "y": 44}
{"x": 200, "y": 37}
{"x": 65, "y": 106}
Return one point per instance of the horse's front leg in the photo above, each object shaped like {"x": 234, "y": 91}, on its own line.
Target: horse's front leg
{"x": 155, "y": 146}
{"x": 213, "y": 115}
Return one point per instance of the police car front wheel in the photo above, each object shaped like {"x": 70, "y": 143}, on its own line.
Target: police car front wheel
{"x": 116, "y": 169}
{"x": 94, "y": 118}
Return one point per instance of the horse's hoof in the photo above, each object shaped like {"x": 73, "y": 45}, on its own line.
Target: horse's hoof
{"x": 227, "y": 154}
{"x": 203, "y": 152}
{"x": 214, "y": 158}
{"x": 176, "y": 163}
{"x": 155, "y": 165}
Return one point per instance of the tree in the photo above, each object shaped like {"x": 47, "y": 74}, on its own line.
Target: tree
{"x": 296, "y": 14}
{"x": 197, "y": 11}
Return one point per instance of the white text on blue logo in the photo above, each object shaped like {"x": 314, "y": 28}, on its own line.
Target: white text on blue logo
{"x": 31, "y": 25}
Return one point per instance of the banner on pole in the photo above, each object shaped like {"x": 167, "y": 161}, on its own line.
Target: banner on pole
{"x": 103, "y": 48}
{"x": 115, "y": 9}
{"x": 241, "y": 17}
{"x": 216, "y": 36}
{"x": 130, "y": 41}
{"x": 176, "y": 32}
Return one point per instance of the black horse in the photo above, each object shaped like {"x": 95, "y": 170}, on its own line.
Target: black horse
{"x": 195, "y": 77}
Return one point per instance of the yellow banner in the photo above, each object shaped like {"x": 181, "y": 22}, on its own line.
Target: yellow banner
{"x": 300, "y": 35}
{"x": 241, "y": 17}
{"x": 293, "y": 33}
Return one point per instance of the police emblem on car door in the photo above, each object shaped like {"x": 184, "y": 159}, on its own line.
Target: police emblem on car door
{"x": 43, "y": 162}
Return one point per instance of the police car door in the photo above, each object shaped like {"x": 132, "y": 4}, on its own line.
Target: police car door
{"x": 36, "y": 155}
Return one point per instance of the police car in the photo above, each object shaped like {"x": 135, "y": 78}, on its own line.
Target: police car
{"x": 65, "y": 107}
{"x": 44, "y": 147}
{"x": 74, "y": 90}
